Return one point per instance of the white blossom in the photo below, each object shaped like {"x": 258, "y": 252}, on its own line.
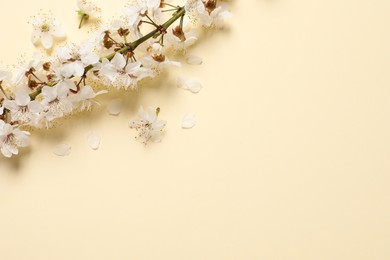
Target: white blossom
{"x": 75, "y": 58}
{"x": 206, "y": 13}
{"x": 140, "y": 9}
{"x": 35, "y": 65}
{"x": 22, "y": 108}
{"x": 121, "y": 73}
{"x": 157, "y": 60}
{"x": 173, "y": 42}
{"x": 45, "y": 89}
{"x": 56, "y": 101}
{"x": 148, "y": 125}
{"x": 11, "y": 138}
{"x": 88, "y": 9}
{"x": 84, "y": 98}
{"x": 44, "y": 30}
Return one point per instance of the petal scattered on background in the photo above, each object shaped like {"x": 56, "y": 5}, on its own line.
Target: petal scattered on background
{"x": 189, "y": 84}
{"x": 188, "y": 121}
{"x": 62, "y": 150}
{"x": 93, "y": 140}
{"x": 194, "y": 60}
{"x": 115, "y": 107}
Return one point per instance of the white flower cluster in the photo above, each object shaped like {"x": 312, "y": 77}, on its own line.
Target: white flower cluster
{"x": 118, "y": 55}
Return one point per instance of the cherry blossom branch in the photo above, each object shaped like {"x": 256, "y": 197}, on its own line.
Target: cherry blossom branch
{"x": 43, "y": 91}
{"x": 130, "y": 47}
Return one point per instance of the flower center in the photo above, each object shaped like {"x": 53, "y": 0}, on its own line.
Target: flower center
{"x": 9, "y": 139}
{"x": 45, "y": 27}
{"x": 23, "y": 109}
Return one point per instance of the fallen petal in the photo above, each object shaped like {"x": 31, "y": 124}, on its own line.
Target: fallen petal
{"x": 189, "y": 84}
{"x": 93, "y": 140}
{"x": 193, "y": 85}
{"x": 194, "y": 60}
{"x": 62, "y": 150}
{"x": 115, "y": 107}
{"x": 188, "y": 121}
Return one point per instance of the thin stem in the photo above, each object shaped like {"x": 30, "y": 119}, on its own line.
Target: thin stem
{"x": 169, "y": 10}
{"x": 181, "y": 23}
{"x": 181, "y": 12}
{"x": 150, "y": 19}
{"x": 82, "y": 20}
{"x": 176, "y": 7}
{"x": 112, "y": 39}
{"x": 155, "y": 25}
{"x": 35, "y": 76}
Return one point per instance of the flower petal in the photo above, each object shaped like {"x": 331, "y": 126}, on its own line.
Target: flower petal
{"x": 21, "y": 97}
{"x": 115, "y": 107}
{"x": 118, "y": 61}
{"x": 6, "y": 152}
{"x": 58, "y": 31}
{"x": 188, "y": 121}
{"x": 93, "y": 140}
{"x": 90, "y": 58}
{"x": 194, "y": 60}
{"x": 35, "y": 107}
{"x": 62, "y": 150}
{"x": 35, "y": 36}
{"x": 47, "y": 41}
{"x": 5, "y": 75}
{"x": 189, "y": 84}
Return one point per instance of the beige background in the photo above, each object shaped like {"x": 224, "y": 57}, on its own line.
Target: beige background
{"x": 289, "y": 160}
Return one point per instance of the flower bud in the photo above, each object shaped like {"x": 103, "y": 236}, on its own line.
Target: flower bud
{"x": 178, "y": 32}
{"x": 210, "y": 5}
{"x": 159, "y": 58}
{"x": 46, "y": 66}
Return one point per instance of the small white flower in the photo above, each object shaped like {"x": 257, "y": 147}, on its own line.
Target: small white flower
{"x": 87, "y": 10}
{"x": 188, "y": 121}
{"x": 156, "y": 65}
{"x": 120, "y": 73}
{"x": 189, "y": 84}
{"x": 99, "y": 36}
{"x": 148, "y": 125}
{"x": 62, "y": 150}
{"x": 35, "y": 64}
{"x": 141, "y": 8}
{"x": 44, "y": 29}
{"x": 157, "y": 60}
{"x": 177, "y": 44}
{"x": 206, "y": 13}
{"x": 56, "y": 101}
{"x": 84, "y": 98}
{"x": 75, "y": 58}
{"x": 11, "y": 138}
{"x": 22, "y": 108}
